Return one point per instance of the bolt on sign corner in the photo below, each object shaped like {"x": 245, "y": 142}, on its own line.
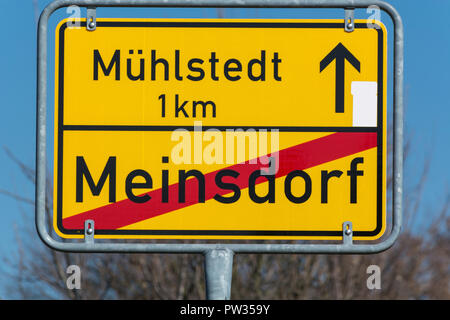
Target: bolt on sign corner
{"x": 220, "y": 129}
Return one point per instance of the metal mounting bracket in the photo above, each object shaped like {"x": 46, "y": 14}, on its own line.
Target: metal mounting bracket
{"x": 91, "y": 19}
{"x": 347, "y": 233}
{"x": 349, "y": 23}
{"x": 89, "y": 231}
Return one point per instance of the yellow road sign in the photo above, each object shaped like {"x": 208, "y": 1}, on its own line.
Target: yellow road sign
{"x": 220, "y": 129}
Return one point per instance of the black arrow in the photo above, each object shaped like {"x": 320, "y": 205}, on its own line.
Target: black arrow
{"x": 340, "y": 54}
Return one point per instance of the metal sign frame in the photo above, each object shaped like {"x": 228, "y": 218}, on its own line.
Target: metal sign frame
{"x": 217, "y": 255}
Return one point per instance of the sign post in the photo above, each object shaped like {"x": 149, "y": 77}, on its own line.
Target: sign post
{"x": 218, "y": 273}
{"x": 232, "y": 130}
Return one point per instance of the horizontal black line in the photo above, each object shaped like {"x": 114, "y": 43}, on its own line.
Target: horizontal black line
{"x": 289, "y": 233}
{"x": 215, "y": 232}
{"x": 231, "y": 232}
{"x": 220, "y": 128}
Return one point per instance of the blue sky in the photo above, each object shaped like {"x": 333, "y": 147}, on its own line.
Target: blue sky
{"x": 427, "y": 78}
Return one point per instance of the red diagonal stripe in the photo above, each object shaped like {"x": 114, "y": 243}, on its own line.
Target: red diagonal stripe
{"x": 299, "y": 157}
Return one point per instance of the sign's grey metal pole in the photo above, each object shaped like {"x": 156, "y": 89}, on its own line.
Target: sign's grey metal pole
{"x": 218, "y": 273}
